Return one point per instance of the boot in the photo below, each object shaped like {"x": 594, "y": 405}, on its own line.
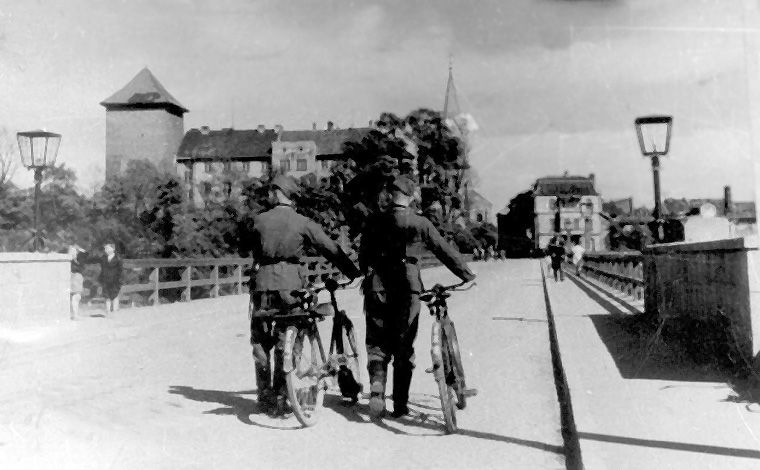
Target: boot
{"x": 377, "y": 374}
{"x": 402, "y": 379}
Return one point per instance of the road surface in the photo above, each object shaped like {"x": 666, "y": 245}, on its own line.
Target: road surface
{"x": 173, "y": 388}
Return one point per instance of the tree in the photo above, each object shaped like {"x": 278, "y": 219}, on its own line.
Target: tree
{"x": 8, "y": 156}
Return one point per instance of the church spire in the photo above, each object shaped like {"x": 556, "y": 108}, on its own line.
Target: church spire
{"x": 451, "y": 101}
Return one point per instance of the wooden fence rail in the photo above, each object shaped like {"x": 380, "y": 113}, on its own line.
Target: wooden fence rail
{"x": 154, "y": 281}
{"x": 623, "y": 271}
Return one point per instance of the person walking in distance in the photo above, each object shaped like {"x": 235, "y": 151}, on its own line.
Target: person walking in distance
{"x": 278, "y": 240}
{"x": 391, "y": 246}
{"x": 77, "y": 280}
{"x": 556, "y": 253}
{"x": 110, "y": 277}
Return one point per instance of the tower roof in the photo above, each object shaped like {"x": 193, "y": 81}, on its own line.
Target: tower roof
{"x": 144, "y": 91}
{"x": 451, "y": 101}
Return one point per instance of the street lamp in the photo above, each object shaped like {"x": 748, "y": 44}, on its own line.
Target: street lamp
{"x": 654, "y": 141}
{"x": 38, "y": 151}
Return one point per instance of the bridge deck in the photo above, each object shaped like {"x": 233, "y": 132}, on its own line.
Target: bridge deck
{"x": 173, "y": 387}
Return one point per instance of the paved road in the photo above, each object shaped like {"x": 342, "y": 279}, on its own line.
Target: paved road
{"x": 173, "y": 388}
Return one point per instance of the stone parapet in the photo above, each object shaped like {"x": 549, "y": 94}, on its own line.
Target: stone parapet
{"x": 35, "y": 289}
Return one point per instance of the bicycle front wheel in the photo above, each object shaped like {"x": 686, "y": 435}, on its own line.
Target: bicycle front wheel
{"x": 441, "y": 370}
{"x": 456, "y": 369}
{"x": 304, "y": 374}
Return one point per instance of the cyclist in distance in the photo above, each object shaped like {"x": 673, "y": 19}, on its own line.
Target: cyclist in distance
{"x": 391, "y": 247}
{"x": 278, "y": 240}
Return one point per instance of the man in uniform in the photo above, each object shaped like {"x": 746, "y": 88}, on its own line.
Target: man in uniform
{"x": 278, "y": 240}
{"x": 391, "y": 247}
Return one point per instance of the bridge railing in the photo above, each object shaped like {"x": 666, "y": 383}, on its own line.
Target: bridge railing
{"x": 623, "y": 271}
{"x": 154, "y": 281}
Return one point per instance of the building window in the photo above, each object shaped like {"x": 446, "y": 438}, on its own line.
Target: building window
{"x": 264, "y": 168}
{"x": 246, "y": 166}
{"x": 325, "y": 165}
{"x": 301, "y": 164}
{"x": 227, "y": 166}
{"x": 227, "y": 188}
{"x": 208, "y": 167}
{"x": 188, "y": 175}
{"x": 285, "y": 165}
{"x": 206, "y": 188}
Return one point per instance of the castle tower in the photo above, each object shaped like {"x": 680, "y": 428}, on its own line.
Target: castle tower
{"x": 143, "y": 121}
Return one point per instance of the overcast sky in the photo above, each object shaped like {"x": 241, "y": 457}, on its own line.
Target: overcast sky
{"x": 554, "y": 84}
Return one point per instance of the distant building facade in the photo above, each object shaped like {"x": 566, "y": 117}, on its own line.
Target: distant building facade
{"x": 479, "y": 208}
{"x": 143, "y": 121}
{"x": 579, "y": 210}
{"x": 212, "y": 162}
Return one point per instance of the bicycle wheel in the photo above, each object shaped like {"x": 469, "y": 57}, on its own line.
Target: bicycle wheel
{"x": 441, "y": 370}
{"x": 304, "y": 365}
{"x": 456, "y": 377}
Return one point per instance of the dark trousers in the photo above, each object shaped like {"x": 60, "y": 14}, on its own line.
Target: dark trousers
{"x": 392, "y": 323}
{"x": 264, "y": 338}
{"x": 559, "y": 275}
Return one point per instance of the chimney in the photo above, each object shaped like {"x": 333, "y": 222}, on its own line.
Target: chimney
{"x": 592, "y": 177}
{"x": 261, "y": 128}
{"x": 205, "y": 130}
{"x": 330, "y": 125}
{"x": 278, "y": 130}
{"x": 727, "y": 202}
{"x": 314, "y": 126}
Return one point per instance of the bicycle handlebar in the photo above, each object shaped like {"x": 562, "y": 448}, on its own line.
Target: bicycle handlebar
{"x": 438, "y": 288}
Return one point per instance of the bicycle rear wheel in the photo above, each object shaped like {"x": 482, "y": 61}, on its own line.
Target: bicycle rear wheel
{"x": 456, "y": 376}
{"x": 304, "y": 365}
{"x": 441, "y": 370}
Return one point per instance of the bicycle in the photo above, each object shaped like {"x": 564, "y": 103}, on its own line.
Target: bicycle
{"x": 308, "y": 371}
{"x": 444, "y": 349}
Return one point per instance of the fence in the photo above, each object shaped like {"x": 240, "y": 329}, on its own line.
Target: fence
{"x": 158, "y": 280}
{"x": 623, "y": 271}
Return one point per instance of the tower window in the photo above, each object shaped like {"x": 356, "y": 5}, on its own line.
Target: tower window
{"x": 301, "y": 164}
{"x": 208, "y": 167}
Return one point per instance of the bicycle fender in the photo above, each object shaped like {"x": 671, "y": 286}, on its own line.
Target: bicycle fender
{"x": 287, "y": 356}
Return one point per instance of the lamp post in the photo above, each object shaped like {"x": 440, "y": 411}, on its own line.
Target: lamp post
{"x": 38, "y": 150}
{"x": 654, "y": 140}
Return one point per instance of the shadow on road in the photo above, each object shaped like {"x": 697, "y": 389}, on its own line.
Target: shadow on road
{"x": 680, "y": 351}
{"x": 683, "y": 446}
{"x": 235, "y": 404}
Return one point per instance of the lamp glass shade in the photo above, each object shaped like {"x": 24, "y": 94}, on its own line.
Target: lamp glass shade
{"x": 654, "y": 134}
{"x": 38, "y": 148}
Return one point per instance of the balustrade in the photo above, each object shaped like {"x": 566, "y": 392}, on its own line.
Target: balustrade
{"x": 623, "y": 271}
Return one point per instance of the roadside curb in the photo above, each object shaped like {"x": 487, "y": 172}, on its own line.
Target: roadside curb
{"x": 573, "y": 457}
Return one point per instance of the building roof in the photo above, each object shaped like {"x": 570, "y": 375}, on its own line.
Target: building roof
{"x": 328, "y": 141}
{"x": 739, "y": 209}
{"x": 227, "y": 144}
{"x": 144, "y": 91}
{"x": 564, "y": 186}
{"x": 475, "y": 199}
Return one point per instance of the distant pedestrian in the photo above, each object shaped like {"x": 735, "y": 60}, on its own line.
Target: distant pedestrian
{"x": 578, "y": 252}
{"x": 556, "y": 250}
{"x": 77, "y": 279}
{"x": 110, "y": 277}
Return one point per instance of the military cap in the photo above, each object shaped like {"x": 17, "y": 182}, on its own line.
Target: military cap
{"x": 286, "y": 184}
{"x": 404, "y": 184}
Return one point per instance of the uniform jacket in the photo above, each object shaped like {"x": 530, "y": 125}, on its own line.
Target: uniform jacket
{"x": 392, "y": 246}
{"x": 278, "y": 243}
{"x": 110, "y": 271}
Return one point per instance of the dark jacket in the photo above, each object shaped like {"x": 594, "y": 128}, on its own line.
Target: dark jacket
{"x": 278, "y": 242}
{"x": 110, "y": 271}
{"x": 392, "y": 247}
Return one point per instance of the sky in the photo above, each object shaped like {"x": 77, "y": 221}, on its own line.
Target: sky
{"x": 554, "y": 85}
